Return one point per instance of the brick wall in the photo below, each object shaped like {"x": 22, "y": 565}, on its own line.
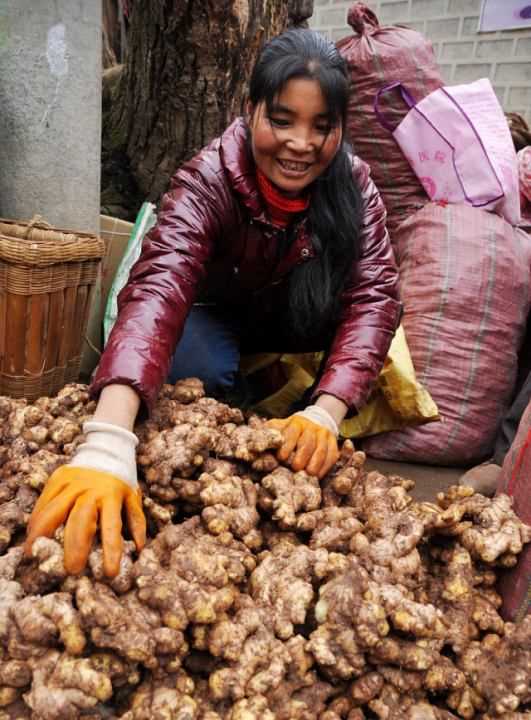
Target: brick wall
{"x": 463, "y": 53}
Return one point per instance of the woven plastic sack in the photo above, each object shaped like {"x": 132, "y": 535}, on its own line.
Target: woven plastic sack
{"x": 457, "y": 141}
{"x": 465, "y": 285}
{"x": 515, "y": 480}
{"x": 378, "y": 56}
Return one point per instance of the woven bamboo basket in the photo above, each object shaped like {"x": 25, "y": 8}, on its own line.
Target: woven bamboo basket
{"x": 47, "y": 279}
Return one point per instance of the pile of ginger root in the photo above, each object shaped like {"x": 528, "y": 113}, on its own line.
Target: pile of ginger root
{"x": 261, "y": 593}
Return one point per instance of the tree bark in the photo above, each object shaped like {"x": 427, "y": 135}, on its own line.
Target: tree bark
{"x": 184, "y": 80}
{"x": 111, "y": 41}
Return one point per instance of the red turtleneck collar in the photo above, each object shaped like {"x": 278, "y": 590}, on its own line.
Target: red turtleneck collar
{"x": 281, "y": 209}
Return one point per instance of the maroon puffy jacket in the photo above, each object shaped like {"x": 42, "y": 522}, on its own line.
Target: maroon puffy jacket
{"x": 213, "y": 233}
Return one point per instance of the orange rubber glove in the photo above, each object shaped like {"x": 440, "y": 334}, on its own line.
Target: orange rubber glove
{"x": 83, "y": 492}
{"x": 312, "y": 436}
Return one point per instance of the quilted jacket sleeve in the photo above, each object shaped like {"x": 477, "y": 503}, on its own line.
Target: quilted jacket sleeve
{"x": 370, "y": 309}
{"x": 162, "y": 285}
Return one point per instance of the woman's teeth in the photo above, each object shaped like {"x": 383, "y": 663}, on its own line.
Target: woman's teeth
{"x": 295, "y": 166}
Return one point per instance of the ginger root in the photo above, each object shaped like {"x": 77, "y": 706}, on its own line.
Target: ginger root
{"x": 188, "y": 575}
{"x": 498, "y": 669}
{"x": 47, "y": 619}
{"x": 283, "y": 583}
{"x": 261, "y": 594}
{"x": 247, "y": 443}
{"x": 167, "y": 697}
{"x": 284, "y": 494}
{"x": 64, "y": 686}
{"x": 230, "y": 505}
{"x": 177, "y": 452}
{"x": 332, "y": 527}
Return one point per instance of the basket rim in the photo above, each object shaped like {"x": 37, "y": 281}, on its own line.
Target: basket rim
{"x": 46, "y": 245}
{"x": 40, "y": 223}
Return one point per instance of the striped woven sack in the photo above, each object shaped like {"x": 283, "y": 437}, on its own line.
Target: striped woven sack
{"x": 465, "y": 285}
{"x": 378, "y": 55}
{"x": 515, "y": 480}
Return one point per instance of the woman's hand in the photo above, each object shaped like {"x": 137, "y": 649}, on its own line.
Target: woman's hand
{"x": 99, "y": 482}
{"x": 310, "y": 437}
{"x": 81, "y": 497}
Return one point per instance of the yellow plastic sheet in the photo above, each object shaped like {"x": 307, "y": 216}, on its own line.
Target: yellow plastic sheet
{"x": 397, "y": 401}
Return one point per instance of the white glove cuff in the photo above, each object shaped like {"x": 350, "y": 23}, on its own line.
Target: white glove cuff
{"x": 108, "y": 448}
{"x": 322, "y": 417}
{"x": 91, "y": 426}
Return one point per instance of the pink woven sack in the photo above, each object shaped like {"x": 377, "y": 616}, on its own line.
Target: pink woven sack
{"x": 465, "y": 285}
{"x": 378, "y": 55}
{"x": 515, "y": 480}
{"x": 458, "y": 142}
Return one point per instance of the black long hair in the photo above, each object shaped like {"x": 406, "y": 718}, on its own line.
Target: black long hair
{"x": 334, "y": 215}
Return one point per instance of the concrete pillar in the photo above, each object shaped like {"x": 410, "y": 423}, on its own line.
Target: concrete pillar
{"x": 50, "y": 111}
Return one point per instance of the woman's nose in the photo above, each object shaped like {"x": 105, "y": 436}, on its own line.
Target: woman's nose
{"x": 300, "y": 141}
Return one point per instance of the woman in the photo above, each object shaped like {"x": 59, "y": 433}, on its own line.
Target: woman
{"x": 278, "y": 225}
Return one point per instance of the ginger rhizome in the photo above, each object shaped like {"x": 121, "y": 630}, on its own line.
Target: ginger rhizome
{"x": 261, "y": 593}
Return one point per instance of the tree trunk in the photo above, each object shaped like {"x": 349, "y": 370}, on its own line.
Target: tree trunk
{"x": 183, "y": 81}
{"x": 114, "y": 24}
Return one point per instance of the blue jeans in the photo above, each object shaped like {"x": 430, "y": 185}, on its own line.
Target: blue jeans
{"x": 213, "y": 340}
{"x": 209, "y": 349}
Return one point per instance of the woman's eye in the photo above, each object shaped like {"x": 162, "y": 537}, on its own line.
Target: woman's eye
{"x": 325, "y": 129}
{"x": 279, "y": 122}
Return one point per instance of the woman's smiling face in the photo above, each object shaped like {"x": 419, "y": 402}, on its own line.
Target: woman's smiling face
{"x": 293, "y": 142}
